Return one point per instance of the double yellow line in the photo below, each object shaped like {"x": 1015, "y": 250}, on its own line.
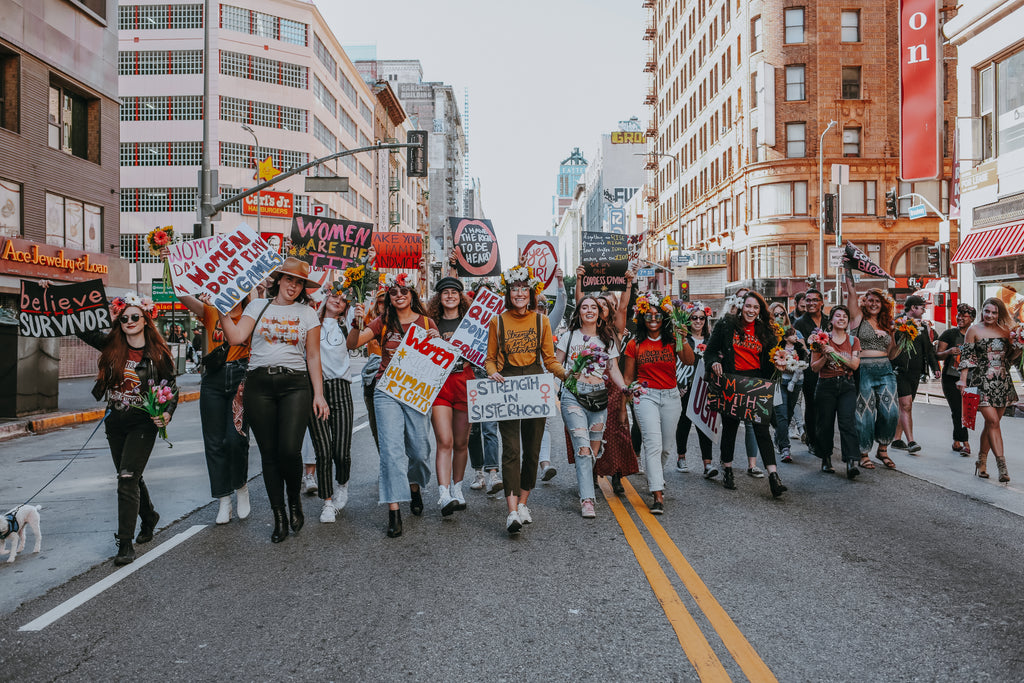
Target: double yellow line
{"x": 696, "y": 646}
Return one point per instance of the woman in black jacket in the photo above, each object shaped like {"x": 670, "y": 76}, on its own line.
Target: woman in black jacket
{"x": 743, "y": 344}
{"x": 133, "y": 359}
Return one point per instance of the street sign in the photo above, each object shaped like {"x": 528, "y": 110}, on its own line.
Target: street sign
{"x": 840, "y": 174}
{"x": 917, "y": 211}
{"x": 680, "y": 259}
{"x": 326, "y": 184}
{"x": 645, "y": 272}
{"x": 835, "y": 256}
{"x": 161, "y": 292}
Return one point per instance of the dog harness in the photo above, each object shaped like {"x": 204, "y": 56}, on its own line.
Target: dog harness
{"x": 12, "y": 525}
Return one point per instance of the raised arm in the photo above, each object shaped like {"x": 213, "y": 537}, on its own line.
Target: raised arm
{"x": 852, "y": 302}
{"x": 235, "y": 334}
{"x": 558, "y": 310}
{"x": 580, "y": 270}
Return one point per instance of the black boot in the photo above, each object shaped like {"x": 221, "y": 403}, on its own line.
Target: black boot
{"x": 730, "y": 482}
{"x": 617, "y": 487}
{"x": 826, "y": 465}
{"x": 280, "y": 526}
{"x": 146, "y": 529}
{"x": 297, "y": 518}
{"x": 394, "y": 523}
{"x": 776, "y": 484}
{"x": 416, "y": 506}
{"x": 851, "y": 470}
{"x": 125, "y": 552}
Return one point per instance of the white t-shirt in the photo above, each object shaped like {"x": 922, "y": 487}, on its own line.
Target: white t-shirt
{"x": 334, "y": 358}
{"x": 279, "y": 338}
{"x": 571, "y": 352}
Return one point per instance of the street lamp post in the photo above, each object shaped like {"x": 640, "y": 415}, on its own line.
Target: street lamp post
{"x": 821, "y": 206}
{"x": 259, "y": 203}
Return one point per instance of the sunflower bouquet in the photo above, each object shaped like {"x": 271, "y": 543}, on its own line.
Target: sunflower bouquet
{"x": 907, "y": 330}
{"x": 358, "y": 279}
{"x": 591, "y": 361}
{"x": 158, "y": 239}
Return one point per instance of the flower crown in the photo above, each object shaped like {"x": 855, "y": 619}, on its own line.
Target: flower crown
{"x": 521, "y": 274}
{"x": 118, "y": 304}
{"x": 337, "y": 288}
{"x": 487, "y": 282}
{"x": 643, "y": 306}
{"x": 400, "y": 280}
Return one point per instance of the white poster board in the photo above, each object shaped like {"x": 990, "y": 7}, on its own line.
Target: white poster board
{"x": 517, "y": 398}
{"x": 180, "y": 257}
{"x": 470, "y": 337}
{"x": 418, "y": 370}
{"x": 698, "y": 410}
{"x": 540, "y": 252}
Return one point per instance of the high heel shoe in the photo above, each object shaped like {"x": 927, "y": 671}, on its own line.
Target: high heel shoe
{"x": 965, "y": 450}
{"x": 1001, "y": 465}
{"x": 979, "y": 466}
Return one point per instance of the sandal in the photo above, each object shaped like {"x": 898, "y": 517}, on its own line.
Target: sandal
{"x": 883, "y": 457}
{"x": 866, "y": 463}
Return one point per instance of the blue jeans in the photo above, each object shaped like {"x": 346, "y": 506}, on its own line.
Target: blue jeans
{"x": 227, "y": 451}
{"x": 584, "y": 426}
{"x": 483, "y": 446}
{"x": 404, "y": 448}
{"x": 877, "y": 406}
{"x": 783, "y": 414}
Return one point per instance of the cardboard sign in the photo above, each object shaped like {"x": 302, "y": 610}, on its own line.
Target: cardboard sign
{"x": 605, "y": 258}
{"x": 398, "y": 250}
{"x": 540, "y": 252}
{"x": 517, "y": 398}
{"x": 60, "y": 311}
{"x": 699, "y": 410}
{"x": 329, "y": 243}
{"x": 418, "y": 369}
{"x": 634, "y": 243}
{"x": 470, "y": 337}
{"x": 182, "y": 255}
{"x": 743, "y": 398}
{"x": 273, "y": 204}
{"x": 476, "y": 247}
{"x": 858, "y": 260}
{"x": 233, "y": 268}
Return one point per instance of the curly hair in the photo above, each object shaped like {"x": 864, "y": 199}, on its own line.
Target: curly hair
{"x": 604, "y": 331}
{"x": 887, "y": 312}
{"x": 762, "y": 324}
{"x": 435, "y": 311}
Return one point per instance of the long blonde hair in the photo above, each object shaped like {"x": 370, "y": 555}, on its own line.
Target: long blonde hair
{"x": 1004, "y": 319}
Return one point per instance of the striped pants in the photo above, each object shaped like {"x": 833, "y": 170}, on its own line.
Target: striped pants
{"x": 332, "y": 438}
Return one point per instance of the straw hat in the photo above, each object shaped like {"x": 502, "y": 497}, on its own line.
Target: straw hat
{"x": 296, "y": 268}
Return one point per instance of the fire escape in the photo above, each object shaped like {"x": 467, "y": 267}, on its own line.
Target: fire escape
{"x": 651, "y": 100}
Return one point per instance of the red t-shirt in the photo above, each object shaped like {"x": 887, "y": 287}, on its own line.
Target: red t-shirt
{"x": 129, "y": 392}
{"x": 655, "y": 362}
{"x": 747, "y": 348}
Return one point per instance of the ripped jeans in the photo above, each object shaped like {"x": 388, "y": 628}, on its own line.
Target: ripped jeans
{"x": 131, "y": 435}
{"x": 584, "y": 426}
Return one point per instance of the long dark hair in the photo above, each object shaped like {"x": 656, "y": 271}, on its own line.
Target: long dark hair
{"x": 435, "y": 311}
{"x": 762, "y": 324}
{"x": 115, "y": 352}
{"x": 604, "y": 331}
{"x": 275, "y": 287}
{"x": 390, "y": 314}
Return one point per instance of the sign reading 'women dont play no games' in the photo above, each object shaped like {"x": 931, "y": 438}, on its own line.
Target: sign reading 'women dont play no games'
{"x": 476, "y": 247}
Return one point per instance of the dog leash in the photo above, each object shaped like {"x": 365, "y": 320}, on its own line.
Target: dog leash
{"x": 61, "y": 470}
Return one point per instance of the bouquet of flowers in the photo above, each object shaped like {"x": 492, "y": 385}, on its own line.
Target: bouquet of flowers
{"x": 701, "y": 348}
{"x": 153, "y": 402}
{"x": 635, "y": 390}
{"x": 679, "y": 312}
{"x": 358, "y": 279}
{"x": 157, "y": 239}
{"x": 591, "y": 360}
{"x": 817, "y": 341}
{"x": 795, "y": 366}
{"x": 907, "y": 330}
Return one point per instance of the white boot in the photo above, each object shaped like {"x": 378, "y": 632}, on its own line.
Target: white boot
{"x": 445, "y": 501}
{"x": 460, "y": 500}
{"x": 224, "y": 513}
{"x": 243, "y": 501}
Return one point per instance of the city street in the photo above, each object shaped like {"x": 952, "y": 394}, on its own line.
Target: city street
{"x": 905, "y": 575}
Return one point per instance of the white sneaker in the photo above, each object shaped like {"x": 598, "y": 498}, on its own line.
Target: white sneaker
{"x": 309, "y": 486}
{"x": 224, "y": 513}
{"x": 243, "y": 501}
{"x": 512, "y": 523}
{"x": 328, "y": 515}
{"x": 494, "y": 483}
{"x": 524, "y": 514}
{"x": 547, "y": 473}
{"x": 478, "y": 480}
{"x": 587, "y": 509}
{"x": 681, "y": 465}
{"x": 445, "y": 502}
{"x": 340, "y": 496}
{"x": 460, "y": 499}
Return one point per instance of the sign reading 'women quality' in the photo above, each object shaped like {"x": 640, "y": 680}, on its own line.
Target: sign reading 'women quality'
{"x": 605, "y": 258}
{"x": 59, "y": 311}
{"x": 470, "y": 337}
{"x": 418, "y": 369}
{"x": 476, "y": 247}
{"x": 517, "y": 398}
{"x": 328, "y": 243}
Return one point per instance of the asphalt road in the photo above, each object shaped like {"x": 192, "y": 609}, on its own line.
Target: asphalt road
{"x": 888, "y": 578}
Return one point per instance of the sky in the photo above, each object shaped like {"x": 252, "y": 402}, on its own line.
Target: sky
{"x": 543, "y": 77}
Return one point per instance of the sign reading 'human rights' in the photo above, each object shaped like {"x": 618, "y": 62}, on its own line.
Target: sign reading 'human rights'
{"x": 418, "y": 369}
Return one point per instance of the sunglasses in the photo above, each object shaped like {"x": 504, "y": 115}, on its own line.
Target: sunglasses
{"x": 399, "y": 291}
{"x": 133, "y": 318}
{"x": 652, "y": 316}
{"x": 698, "y": 317}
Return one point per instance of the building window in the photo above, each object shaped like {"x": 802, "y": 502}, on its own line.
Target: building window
{"x": 10, "y": 91}
{"x": 241, "y": 155}
{"x": 189, "y": 153}
{"x": 162, "y": 108}
{"x": 73, "y": 224}
{"x": 10, "y": 208}
{"x": 348, "y": 124}
{"x": 851, "y": 142}
{"x": 347, "y": 87}
{"x": 796, "y": 82}
{"x": 794, "y": 25}
{"x": 778, "y": 260}
{"x": 1009, "y": 103}
{"x": 365, "y": 175}
{"x": 796, "y": 140}
{"x": 323, "y": 134}
{"x": 859, "y": 198}
{"x": 851, "y": 26}
{"x": 264, "y": 70}
{"x": 263, "y": 25}
{"x": 158, "y": 199}
{"x": 365, "y": 207}
{"x": 324, "y": 55}
{"x": 755, "y": 34}
{"x": 142, "y": 17}
{"x": 851, "y": 82}
{"x": 366, "y": 113}
{"x": 263, "y": 114}
{"x": 913, "y": 262}
{"x": 753, "y": 90}
{"x": 363, "y": 140}
{"x": 73, "y": 123}
{"x": 160, "y": 62}
{"x": 935, "y": 191}
{"x": 779, "y": 199}
{"x": 325, "y": 97}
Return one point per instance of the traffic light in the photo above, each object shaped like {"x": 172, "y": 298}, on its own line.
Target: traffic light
{"x": 933, "y": 260}
{"x": 684, "y": 290}
{"x": 830, "y": 214}
{"x": 416, "y": 157}
{"x": 891, "y": 209}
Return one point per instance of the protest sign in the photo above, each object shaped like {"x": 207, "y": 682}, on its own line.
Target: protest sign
{"x": 181, "y": 256}
{"x": 397, "y": 250}
{"x": 634, "y": 244}
{"x": 699, "y": 410}
{"x": 476, "y": 247}
{"x": 743, "y": 398}
{"x": 418, "y": 369}
{"x": 62, "y": 310}
{"x": 605, "y": 257}
{"x": 858, "y": 260}
{"x": 540, "y": 252}
{"x": 233, "y": 268}
{"x": 517, "y": 398}
{"x": 329, "y": 243}
{"x": 470, "y": 337}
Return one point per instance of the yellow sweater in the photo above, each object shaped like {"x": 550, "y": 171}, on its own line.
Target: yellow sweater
{"x": 521, "y": 343}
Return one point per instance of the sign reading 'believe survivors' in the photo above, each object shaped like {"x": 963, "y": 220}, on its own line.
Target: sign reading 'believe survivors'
{"x": 60, "y": 311}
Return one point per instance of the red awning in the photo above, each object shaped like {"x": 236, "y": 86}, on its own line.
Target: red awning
{"x": 1006, "y": 240}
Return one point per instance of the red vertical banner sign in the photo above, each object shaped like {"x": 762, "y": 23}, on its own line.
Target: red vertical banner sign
{"x": 920, "y": 90}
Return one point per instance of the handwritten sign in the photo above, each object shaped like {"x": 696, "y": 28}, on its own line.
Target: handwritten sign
{"x": 517, "y": 398}
{"x": 476, "y": 247}
{"x": 858, "y": 260}
{"x": 59, "y": 311}
{"x": 699, "y": 411}
{"x": 470, "y": 337}
{"x": 329, "y": 243}
{"x": 540, "y": 252}
{"x": 239, "y": 262}
{"x": 743, "y": 398}
{"x": 418, "y": 369}
{"x": 182, "y": 255}
{"x": 605, "y": 258}
{"x": 397, "y": 249}
{"x": 634, "y": 244}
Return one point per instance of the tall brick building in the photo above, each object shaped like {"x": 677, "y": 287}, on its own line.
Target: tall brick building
{"x": 740, "y": 94}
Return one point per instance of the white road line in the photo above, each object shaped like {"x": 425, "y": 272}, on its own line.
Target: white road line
{"x": 358, "y": 427}
{"x": 89, "y": 593}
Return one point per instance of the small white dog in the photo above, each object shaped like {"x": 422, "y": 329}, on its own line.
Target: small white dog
{"x": 16, "y": 523}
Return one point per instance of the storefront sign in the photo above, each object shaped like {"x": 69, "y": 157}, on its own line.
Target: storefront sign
{"x": 540, "y": 252}
{"x": 62, "y": 310}
{"x": 22, "y": 257}
{"x": 398, "y": 249}
{"x": 517, "y": 398}
{"x": 470, "y": 337}
{"x": 628, "y": 137}
{"x": 920, "y": 91}
{"x": 982, "y": 175}
{"x": 705, "y": 259}
{"x": 418, "y": 369}
{"x": 329, "y": 243}
{"x": 273, "y": 204}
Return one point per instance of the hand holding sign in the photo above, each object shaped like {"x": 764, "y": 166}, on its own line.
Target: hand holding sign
{"x": 856, "y": 259}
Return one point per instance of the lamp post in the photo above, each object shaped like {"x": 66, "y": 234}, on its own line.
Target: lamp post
{"x": 821, "y": 206}
{"x": 259, "y": 203}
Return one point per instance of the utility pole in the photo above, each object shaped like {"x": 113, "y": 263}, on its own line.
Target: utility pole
{"x": 255, "y": 154}
{"x": 821, "y": 205}
{"x": 205, "y": 191}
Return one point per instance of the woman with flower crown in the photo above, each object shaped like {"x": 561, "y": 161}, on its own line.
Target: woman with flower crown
{"x": 134, "y": 359}
{"x": 651, "y": 361}
{"x": 520, "y": 342}
{"x": 697, "y": 337}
